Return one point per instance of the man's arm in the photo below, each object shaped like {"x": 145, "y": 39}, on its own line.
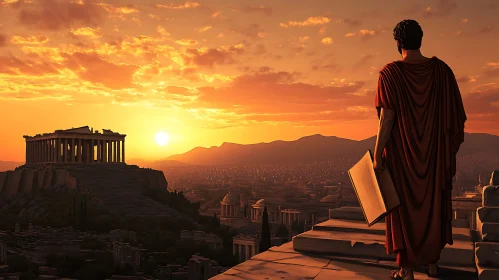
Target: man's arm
{"x": 386, "y": 121}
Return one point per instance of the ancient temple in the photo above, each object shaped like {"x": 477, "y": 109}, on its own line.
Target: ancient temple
{"x": 76, "y": 145}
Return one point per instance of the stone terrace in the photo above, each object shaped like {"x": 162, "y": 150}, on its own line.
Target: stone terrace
{"x": 284, "y": 262}
{"x": 345, "y": 248}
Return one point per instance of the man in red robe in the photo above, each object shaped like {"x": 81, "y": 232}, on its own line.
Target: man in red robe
{"x": 420, "y": 131}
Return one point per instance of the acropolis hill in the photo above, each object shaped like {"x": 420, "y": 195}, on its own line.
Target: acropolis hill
{"x": 86, "y": 161}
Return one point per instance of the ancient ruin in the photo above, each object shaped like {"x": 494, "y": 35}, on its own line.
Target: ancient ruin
{"x": 76, "y": 145}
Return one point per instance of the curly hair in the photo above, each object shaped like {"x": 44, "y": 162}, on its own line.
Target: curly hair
{"x": 408, "y": 34}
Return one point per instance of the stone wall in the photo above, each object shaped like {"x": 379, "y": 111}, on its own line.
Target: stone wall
{"x": 487, "y": 248}
{"x": 28, "y": 181}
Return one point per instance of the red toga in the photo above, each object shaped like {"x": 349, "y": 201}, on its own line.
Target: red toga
{"x": 421, "y": 155}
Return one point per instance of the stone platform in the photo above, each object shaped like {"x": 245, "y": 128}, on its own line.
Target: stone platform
{"x": 355, "y": 239}
{"x": 284, "y": 262}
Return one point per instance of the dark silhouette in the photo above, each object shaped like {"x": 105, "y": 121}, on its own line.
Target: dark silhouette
{"x": 215, "y": 221}
{"x": 265, "y": 241}
{"x": 282, "y": 232}
{"x": 420, "y": 131}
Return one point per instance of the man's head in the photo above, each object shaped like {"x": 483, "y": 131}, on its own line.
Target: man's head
{"x": 408, "y": 35}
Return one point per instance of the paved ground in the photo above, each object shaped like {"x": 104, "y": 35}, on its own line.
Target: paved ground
{"x": 285, "y": 263}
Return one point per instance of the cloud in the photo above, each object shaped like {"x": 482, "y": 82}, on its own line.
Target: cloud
{"x": 264, "y": 10}
{"x": 87, "y": 32}
{"x": 55, "y": 15}
{"x": 465, "y": 20}
{"x": 442, "y": 8}
{"x": 211, "y": 57}
{"x": 311, "y": 21}
{"x": 350, "y": 22}
{"x": 268, "y": 92}
{"x": 203, "y": 29}
{"x": 327, "y": 41}
{"x": 466, "y": 79}
{"x": 91, "y": 67}
{"x": 187, "y": 42}
{"x": 29, "y": 40}
{"x": 492, "y": 69}
{"x": 364, "y": 60}
{"x": 15, "y": 66}
{"x": 482, "y": 103}
{"x": 174, "y": 6}
{"x": 3, "y": 40}
{"x": 121, "y": 10}
{"x": 253, "y": 31}
{"x": 364, "y": 33}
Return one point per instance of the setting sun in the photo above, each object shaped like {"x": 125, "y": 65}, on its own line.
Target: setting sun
{"x": 162, "y": 138}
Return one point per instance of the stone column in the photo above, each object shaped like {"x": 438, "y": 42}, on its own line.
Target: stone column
{"x": 254, "y": 250}
{"x": 247, "y": 253}
{"x": 103, "y": 150}
{"x": 72, "y": 150}
{"x": 65, "y": 150}
{"x": 240, "y": 252}
{"x": 49, "y": 151}
{"x": 78, "y": 150}
{"x": 87, "y": 149}
{"x": 123, "y": 151}
{"x": 234, "y": 249}
{"x": 92, "y": 151}
{"x": 57, "y": 149}
{"x": 109, "y": 151}
{"x": 45, "y": 150}
{"x": 98, "y": 151}
{"x": 37, "y": 151}
{"x": 119, "y": 151}
{"x": 41, "y": 151}
{"x": 116, "y": 156}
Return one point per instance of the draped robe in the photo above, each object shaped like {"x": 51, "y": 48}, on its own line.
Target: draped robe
{"x": 421, "y": 156}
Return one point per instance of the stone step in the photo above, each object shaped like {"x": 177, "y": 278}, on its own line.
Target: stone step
{"x": 486, "y": 273}
{"x": 487, "y": 253}
{"x": 353, "y": 238}
{"x": 490, "y": 195}
{"x": 488, "y": 231}
{"x": 488, "y": 213}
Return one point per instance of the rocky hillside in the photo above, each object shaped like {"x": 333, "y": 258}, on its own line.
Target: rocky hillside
{"x": 115, "y": 188}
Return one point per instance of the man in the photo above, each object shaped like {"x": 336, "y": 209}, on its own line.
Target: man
{"x": 421, "y": 128}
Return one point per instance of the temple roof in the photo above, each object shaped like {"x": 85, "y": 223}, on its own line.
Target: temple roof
{"x": 78, "y": 130}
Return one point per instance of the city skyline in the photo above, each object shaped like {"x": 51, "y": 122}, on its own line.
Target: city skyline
{"x": 243, "y": 72}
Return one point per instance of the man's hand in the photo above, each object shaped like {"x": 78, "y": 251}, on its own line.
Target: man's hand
{"x": 378, "y": 163}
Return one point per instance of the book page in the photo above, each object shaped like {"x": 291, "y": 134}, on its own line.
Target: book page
{"x": 366, "y": 186}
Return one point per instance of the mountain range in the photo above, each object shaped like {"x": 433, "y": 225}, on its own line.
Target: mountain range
{"x": 308, "y": 149}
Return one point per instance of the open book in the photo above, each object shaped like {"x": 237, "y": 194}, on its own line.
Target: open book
{"x": 375, "y": 190}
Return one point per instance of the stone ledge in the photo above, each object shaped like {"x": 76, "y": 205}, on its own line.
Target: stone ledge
{"x": 486, "y": 273}
{"x": 488, "y": 231}
{"x": 487, "y": 253}
{"x": 350, "y": 238}
{"x": 488, "y": 213}
{"x": 490, "y": 196}
{"x": 284, "y": 263}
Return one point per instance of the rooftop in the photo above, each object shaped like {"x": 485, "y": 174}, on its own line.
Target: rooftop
{"x": 78, "y": 130}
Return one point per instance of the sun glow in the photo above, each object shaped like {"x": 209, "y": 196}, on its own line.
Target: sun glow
{"x": 162, "y": 138}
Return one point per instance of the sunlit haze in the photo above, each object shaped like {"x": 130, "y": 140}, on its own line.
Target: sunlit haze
{"x": 214, "y": 71}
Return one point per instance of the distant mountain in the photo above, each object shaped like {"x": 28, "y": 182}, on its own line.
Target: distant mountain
{"x": 9, "y": 165}
{"x": 308, "y": 149}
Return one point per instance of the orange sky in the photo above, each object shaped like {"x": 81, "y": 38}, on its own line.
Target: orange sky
{"x": 215, "y": 71}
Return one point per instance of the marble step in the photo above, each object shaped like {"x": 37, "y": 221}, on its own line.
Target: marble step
{"x": 486, "y": 273}
{"x": 488, "y": 213}
{"x": 488, "y": 231}
{"x": 487, "y": 253}
{"x": 354, "y": 238}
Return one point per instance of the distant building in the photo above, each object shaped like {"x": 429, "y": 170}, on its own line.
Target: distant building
{"x": 232, "y": 214}
{"x": 212, "y": 240}
{"x": 76, "y": 145}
